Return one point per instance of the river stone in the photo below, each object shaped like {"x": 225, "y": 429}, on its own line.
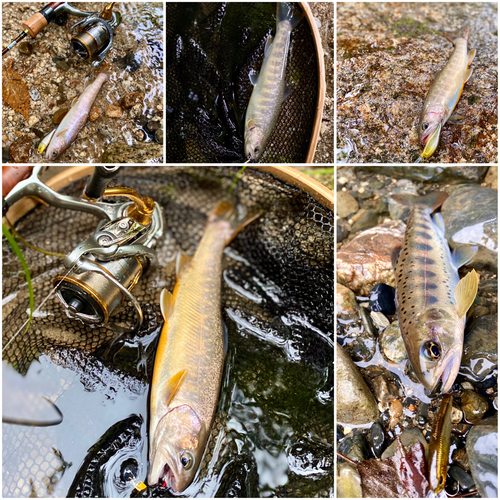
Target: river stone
{"x": 113, "y": 111}
{"x": 366, "y": 260}
{"x": 346, "y": 204}
{"x": 142, "y": 152}
{"x": 491, "y": 179}
{"x": 438, "y": 174}
{"x": 58, "y": 116}
{"x": 131, "y": 99}
{"x": 480, "y": 357}
{"x": 364, "y": 219}
{"x": 470, "y": 217}
{"x": 391, "y": 344}
{"x": 474, "y": 406}
{"x": 408, "y": 438}
{"x": 343, "y": 229}
{"x": 348, "y": 481}
{"x": 20, "y": 149}
{"x": 354, "y": 446}
{"x": 35, "y": 94}
{"x": 377, "y": 439}
{"x": 347, "y": 305}
{"x": 25, "y": 48}
{"x": 482, "y": 450}
{"x": 356, "y": 405}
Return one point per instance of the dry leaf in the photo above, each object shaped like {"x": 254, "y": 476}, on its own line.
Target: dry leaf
{"x": 14, "y": 91}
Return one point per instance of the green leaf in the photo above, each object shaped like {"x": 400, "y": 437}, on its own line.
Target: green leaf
{"x": 20, "y": 256}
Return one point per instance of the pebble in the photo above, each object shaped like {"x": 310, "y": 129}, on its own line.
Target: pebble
{"x": 33, "y": 120}
{"x": 348, "y": 481}
{"x": 383, "y": 299}
{"x": 113, "y": 111}
{"x": 366, "y": 260}
{"x": 482, "y": 449}
{"x": 343, "y": 228}
{"x": 391, "y": 344}
{"x": 491, "y": 179}
{"x": 35, "y": 94}
{"x": 364, "y": 219}
{"x": 354, "y": 446}
{"x": 347, "y": 305}
{"x": 25, "y": 48}
{"x": 135, "y": 112}
{"x": 456, "y": 415}
{"x": 346, "y": 204}
{"x": 59, "y": 115}
{"x": 95, "y": 113}
{"x": 463, "y": 478}
{"x": 379, "y": 319}
{"x": 131, "y": 99}
{"x": 461, "y": 458}
{"x": 377, "y": 439}
{"x": 152, "y": 126}
{"x": 131, "y": 61}
{"x": 139, "y": 135}
{"x": 20, "y": 150}
{"x": 61, "y": 64}
{"x": 356, "y": 404}
{"x": 159, "y": 136}
{"x": 385, "y": 389}
{"x": 474, "y": 406}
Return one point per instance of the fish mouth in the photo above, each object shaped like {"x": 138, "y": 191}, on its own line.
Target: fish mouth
{"x": 167, "y": 478}
{"x": 428, "y": 133}
{"x": 448, "y": 372}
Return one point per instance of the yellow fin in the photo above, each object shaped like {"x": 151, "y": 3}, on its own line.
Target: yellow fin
{"x": 182, "y": 263}
{"x": 465, "y": 292}
{"x": 467, "y": 75}
{"x": 167, "y": 303}
{"x": 174, "y": 384}
{"x": 470, "y": 56}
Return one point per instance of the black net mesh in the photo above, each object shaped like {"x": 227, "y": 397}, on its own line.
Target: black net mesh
{"x": 277, "y": 292}
{"x": 211, "y": 48}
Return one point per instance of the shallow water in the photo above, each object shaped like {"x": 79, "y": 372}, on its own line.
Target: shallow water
{"x": 141, "y": 36}
{"x": 273, "y": 433}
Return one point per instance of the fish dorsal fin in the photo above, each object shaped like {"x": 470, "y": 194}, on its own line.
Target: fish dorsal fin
{"x": 437, "y": 218}
{"x": 467, "y": 75}
{"x": 254, "y": 77}
{"x": 167, "y": 303}
{"x": 174, "y": 384}
{"x": 470, "y": 56}
{"x": 182, "y": 263}
{"x": 465, "y": 292}
{"x": 431, "y": 200}
{"x": 462, "y": 255}
{"x": 287, "y": 91}
{"x": 395, "y": 256}
{"x": 269, "y": 42}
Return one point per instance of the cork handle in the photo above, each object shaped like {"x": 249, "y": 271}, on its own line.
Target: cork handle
{"x": 35, "y": 24}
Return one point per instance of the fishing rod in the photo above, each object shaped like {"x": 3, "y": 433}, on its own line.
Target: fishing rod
{"x": 94, "y": 34}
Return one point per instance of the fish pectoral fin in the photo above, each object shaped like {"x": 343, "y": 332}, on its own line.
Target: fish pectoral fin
{"x": 181, "y": 264}
{"x": 437, "y": 218}
{"x": 395, "y": 256}
{"x": 465, "y": 292}
{"x": 470, "y": 57}
{"x": 467, "y": 75}
{"x": 462, "y": 255}
{"x": 455, "y": 119}
{"x": 254, "y": 77}
{"x": 174, "y": 384}
{"x": 167, "y": 303}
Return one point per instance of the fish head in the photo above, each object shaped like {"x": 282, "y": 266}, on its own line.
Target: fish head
{"x": 177, "y": 448}
{"x": 430, "y": 120}
{"x": 254, "y": 141}
{"x": 57, "y": 144}
{"x": 437, "y": 353}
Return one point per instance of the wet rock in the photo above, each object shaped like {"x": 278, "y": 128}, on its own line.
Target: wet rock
{"x": 33, "y": 120}
{"x": 379, "y": 319}
{"x": 438, "y": 174}
{"x": 39, "y": 133}
{"x": 346, "y": 204}
{"x": 5, "y": 155}
{"x": 364, "y": 219}
{"x": 377, "y": 440}
{"x": 135, "y": 113}
{"x": 348, "y": 481}
{"x": 141, "y": 152}
{"x": 391, "y": 344}
{"x": 25, "y": 48}
{"x": 366, "y": 260}
{"x": 95, "y": 113}
{"x": 465, "y": 480}
{"x": 354, "y": 446}
{"x": 310, "y": 456}
{"x": 131, "y": 99}
{"x": 470, "y": 217}
{"x": 347, "y": 305}
{"x": 456, "y": 415}
{"x": 491, "y": 179}
{"x": 358, "y": 336}
{"x": 461, "y": 458}
{"x": 58, "y": 116}
{"x": 20, "y": 149}
{"x": 479, "y": 311}
{"x": 385, "y": 389}
{"x": 343, "y": 229}
{"x": 113, "y": 111}
{"x": 35, "y": 95}
{"x": 61, "y": 64}
{"x": 482, "y": 449}
{"x": 159, "y": 136}
{"x": 131, "y": 61}
{"x": 480, "y": 357}
{"x": 139, "y": 135}
{"x": 152, "y": 126}
{"x": 356, "y": 404}
{"x": 474, "y": 406}
{"x": 383, "y": 299}
{"x": 408, "y": 438}
{"x": 395, "y": 412}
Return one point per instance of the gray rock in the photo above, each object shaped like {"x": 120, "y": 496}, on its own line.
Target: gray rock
{"x": 480, "y": 357}
{"x": 482, "y": 449}
{"x": 408, "y": 438}
{"x": 391, "y": 344}
{"x": 346, "y": 204}
{"x": 358, "y": 333}
{"x": 463, "y": 478}
{"x": 35, "y": 94}
{"x": 343, "y": 229}
{"x": 354, "y": 446}
{"x": 457, "y": 174}
{"x": 364, "y": 219}
{"x": 471, "y": 218}
{"x": 366, "y": 259}
{"x": 348, "y": 481}
{"x": 356, "y": 404}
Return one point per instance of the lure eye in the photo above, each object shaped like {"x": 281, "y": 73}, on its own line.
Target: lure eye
{"x": 425, "y": 125}
{"x": 432, "y": 350}
{"x": 187, "y": 460}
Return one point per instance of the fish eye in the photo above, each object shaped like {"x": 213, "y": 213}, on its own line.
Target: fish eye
{"x": 187, "y": 460}
{"x": 425, "y": 125}
{"x": 257, "y": 150}
{"x": 432, "y": 350}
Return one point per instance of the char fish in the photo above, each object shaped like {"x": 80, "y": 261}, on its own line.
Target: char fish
{"x": 432, "y": 302}
{"x": 75, "y": 119}
{"x": 269, "y": 85}
{"x": 444, "y": 94}
{"x": 190, "y": 356}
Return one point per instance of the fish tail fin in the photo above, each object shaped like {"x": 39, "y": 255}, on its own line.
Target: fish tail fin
{"x": 236, "y": 216}
{"x": 432, "y": 201}
{"x": 286, "y": 11}
{"x": 466, "y": 34}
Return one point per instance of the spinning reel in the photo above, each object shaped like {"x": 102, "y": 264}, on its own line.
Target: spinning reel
{"x": 103, "y": 269}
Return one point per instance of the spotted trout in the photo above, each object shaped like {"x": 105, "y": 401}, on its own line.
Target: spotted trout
{"x": 190, "y": 356}
{"x": 269, "y": 85}
{"x": 75, "y": 119}
{"x": 432, "y": 302}
{"x": 444, "y": 94}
